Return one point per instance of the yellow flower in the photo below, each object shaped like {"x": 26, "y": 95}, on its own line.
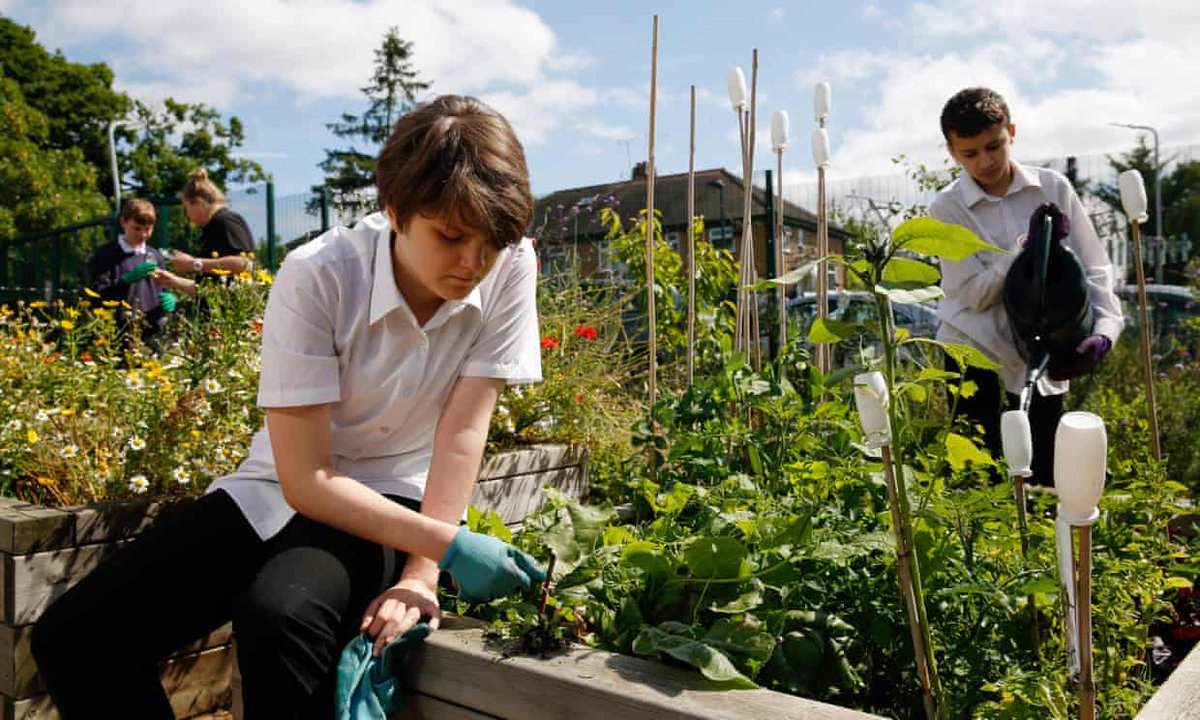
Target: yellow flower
{"x": 219, "y": 271}
{"x": 31, "y": 435}
{"x": 46, "y": 481}
{"x": 67, "y": 412}
{"x": 91, "y": 293}
{"x": 111, "y": 303}
{"x": 6, "y": 311}
{"x": 37, "y": 304}
{"x": 67, "y": 325}
{"x": 71, "y": 312}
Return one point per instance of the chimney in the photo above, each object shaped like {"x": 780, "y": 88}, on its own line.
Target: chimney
{"x": 639, "y": 171}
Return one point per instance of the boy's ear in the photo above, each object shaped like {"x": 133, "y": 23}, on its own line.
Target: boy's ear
{"x": 1012, "y": 132}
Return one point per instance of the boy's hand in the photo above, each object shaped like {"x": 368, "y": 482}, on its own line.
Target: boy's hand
{"x": 486, "y": 568}
{"x": 1060, "y": 224}
{"x": 1088, "y": 355}
{"x": 140, "y": 272}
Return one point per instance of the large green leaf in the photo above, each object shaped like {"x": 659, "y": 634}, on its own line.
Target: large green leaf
{"x": 903, "y": 271}
{"x": 711, "y": 663}
{"x": 789, "y": 278}
{"x": 935, "y": 238}
{"x": 739, "y": 640}
{"x": 825, "y": 331}
{"x": 716, "y": 558}
{"x": 900, "y": 294}
{"x": 961, "y": 450}
{"x": 745, "y": 602}
{"x": 963, "y": 354}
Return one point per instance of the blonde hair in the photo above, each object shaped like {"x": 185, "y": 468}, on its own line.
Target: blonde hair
{"x": 199, "y": 187}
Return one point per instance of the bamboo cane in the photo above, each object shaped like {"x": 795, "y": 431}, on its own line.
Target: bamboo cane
{"x": 780, "y": 290}
{"x": 1144, "y": 321}
{"x": 650, "y": 314}
{"x": 903, "y": 558}
{"x": 691, "y": 247}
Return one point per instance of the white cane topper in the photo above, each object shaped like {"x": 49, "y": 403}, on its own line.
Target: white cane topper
{"x": 871, "y": 398}
{"x": 820, "y": 147}
{"x": 1080, "y": 459}
{"x": 779, "y": 130}
{"x": 1017, "y": 441}
{"x": 736, "y": 80}
{"x": 1133, "y": 196}
{"x": 821, "y": 102}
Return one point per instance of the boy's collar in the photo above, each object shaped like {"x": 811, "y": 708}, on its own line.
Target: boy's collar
{"x": 1023, "y": 177}
{"x": 139, "y": 250}
{"x": 386, "y": 297}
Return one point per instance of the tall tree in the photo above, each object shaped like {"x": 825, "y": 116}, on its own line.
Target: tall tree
{"x": 1180, "y": 202}
{"x": 77, "y": 101}
{"x": 391, "y": 92}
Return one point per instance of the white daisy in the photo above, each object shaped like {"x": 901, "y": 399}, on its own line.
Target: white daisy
{"x": 136, "y": 443}
{"x": 14, "y": 425}
{"x": 42, "y": 416}
{"x": 70, "y": 451}
{"x": 203, "y": 407}
{"x": 212, "y": 386}
{"x": 134, "y": 381}
{"x": 139, "y": 484}
{"x": 181, "y": 476}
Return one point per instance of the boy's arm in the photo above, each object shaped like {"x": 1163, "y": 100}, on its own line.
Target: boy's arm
{"x": 457, "y": 452}
{"x": 1109, "y": 317}
{"x": 976, "y": 284}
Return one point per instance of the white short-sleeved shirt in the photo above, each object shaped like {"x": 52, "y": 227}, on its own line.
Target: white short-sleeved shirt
{"x": 337, "y": 330}
{"x": 972, "y": 313}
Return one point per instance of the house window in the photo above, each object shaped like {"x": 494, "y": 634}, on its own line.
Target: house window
{"x": 721, "y": 237}
{"x": 673, "y": 240}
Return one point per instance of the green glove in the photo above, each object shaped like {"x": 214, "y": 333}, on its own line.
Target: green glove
{"x": 141, "y": 272}
{"x": 487, "y": 568}
{"x": 167, "y": 300}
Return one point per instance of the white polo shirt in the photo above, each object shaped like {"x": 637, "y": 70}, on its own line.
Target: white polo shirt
{"x": 337, "y": 330}
{"x": 972, "y": 313}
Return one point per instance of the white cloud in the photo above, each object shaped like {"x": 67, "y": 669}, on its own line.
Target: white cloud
{"x": 605, "y": 131}
{"x": 539, "y": 110}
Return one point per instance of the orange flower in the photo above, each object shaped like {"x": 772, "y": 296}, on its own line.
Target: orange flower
{"x": 549, "y": 343}
{"x": 587, "y": 332}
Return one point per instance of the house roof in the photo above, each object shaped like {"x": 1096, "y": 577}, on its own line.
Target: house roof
{"x": 670, "y": 199}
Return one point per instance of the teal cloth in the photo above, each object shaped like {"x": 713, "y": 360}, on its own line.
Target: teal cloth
{"x": 367, "y": 686}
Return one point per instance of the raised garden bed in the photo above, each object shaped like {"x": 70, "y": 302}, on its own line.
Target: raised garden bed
{"x": 44, "y": 551}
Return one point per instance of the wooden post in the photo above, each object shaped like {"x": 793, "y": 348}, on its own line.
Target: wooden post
{"x": 650, "y": 315}
{"x": 1144, "y": 320}
{"x": 691, "y": 247}
{"x": 1087, "y": 685}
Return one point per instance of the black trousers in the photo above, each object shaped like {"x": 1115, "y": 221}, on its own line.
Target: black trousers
{"x": 295, "y": 601}
{"x": 991, "y": 399}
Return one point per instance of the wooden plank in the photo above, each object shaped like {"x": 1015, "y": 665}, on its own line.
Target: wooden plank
{"x": 423, "y": 707}
{"x": 27, "y": 528}
{"x": 29, "y": 583}
{"x": 514, "y": 497}
{"x": 1179, "y": 696}
{"x": 531, "y": 459}
{"x": 197, "y": 685}
{"x": 587, "y": 684}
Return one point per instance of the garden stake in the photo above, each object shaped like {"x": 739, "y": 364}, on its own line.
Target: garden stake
{"x": 820, "y": 144}
{"x": 650, "y": 316}
{"x": 779, "y": 141}
{"x": 691, "y": 247}
{"x": 746, "y": 327}
{"x": 1080, "y": 456}
{"x": 546, "y": 588}
{"x": 1017, "y": 442}
{"x": 1133, "y": 200}
{"x": 871, "y": 397}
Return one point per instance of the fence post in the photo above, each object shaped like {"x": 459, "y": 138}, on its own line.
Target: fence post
{"x": 271, "y": 226}
{"x": 324, "y": 208}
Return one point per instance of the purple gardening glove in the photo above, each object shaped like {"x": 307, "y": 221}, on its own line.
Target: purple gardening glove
{"x": 1088, "y": 355}
{"x": 1060, "y": 228}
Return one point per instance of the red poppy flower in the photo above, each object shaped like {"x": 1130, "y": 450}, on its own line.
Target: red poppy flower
{"x": 549, "y": 343}
{"x": 579, "y": 397}
{"x": 587, "y": 332}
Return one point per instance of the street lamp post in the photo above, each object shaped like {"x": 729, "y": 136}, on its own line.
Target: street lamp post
{"x": 1160, "y": 237}
{"x": 112, "y": 154}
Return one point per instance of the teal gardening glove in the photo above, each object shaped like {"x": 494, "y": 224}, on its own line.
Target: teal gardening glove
{"x": 140, "y": 272}
{"x": 486, "y": 568}
{"x": 166, "y": 299}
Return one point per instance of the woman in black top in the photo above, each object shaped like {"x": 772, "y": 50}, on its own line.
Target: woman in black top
{"x": 225, "y": 239}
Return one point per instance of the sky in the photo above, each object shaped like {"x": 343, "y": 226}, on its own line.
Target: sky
{"x": 574, "y": 77}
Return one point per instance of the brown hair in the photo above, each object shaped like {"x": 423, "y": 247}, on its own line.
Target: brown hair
{"x": 199, "y": 187}
{"x": 972, "y": 111}
{"x": 454, "y": 156}
{"x": 139, "y": 211}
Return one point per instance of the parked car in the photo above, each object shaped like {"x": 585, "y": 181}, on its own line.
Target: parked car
{"x": 1169, "y": 307}
{"x": 858, "y": 306}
